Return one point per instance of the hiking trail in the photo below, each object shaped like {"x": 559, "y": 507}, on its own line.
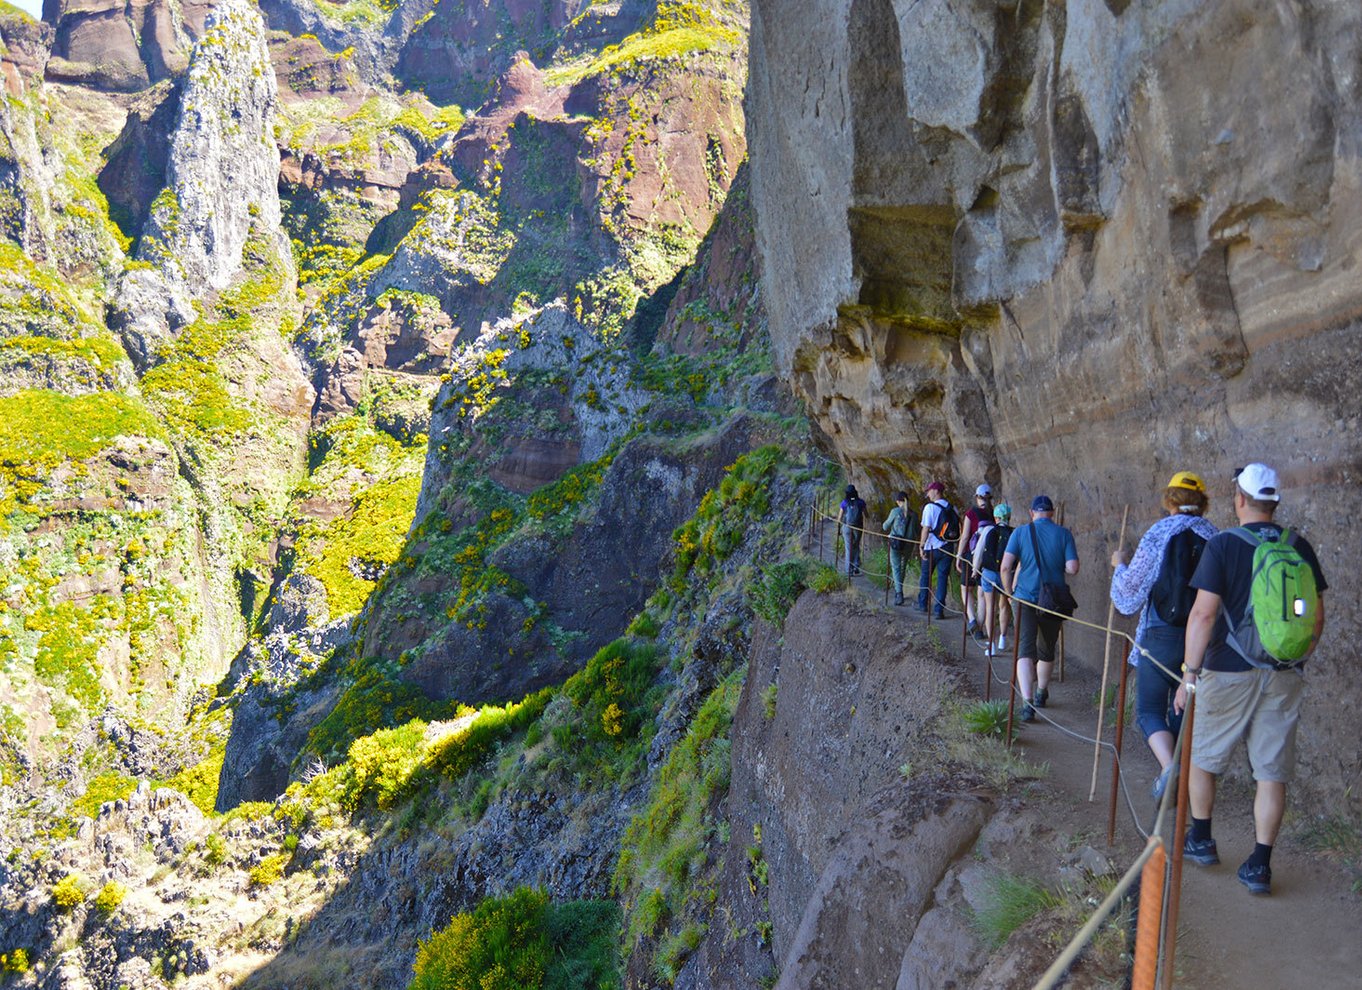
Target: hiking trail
{"x": 1308, "y": 933}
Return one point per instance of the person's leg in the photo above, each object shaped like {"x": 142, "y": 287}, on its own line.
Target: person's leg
{"x": 924, "y": 581}
{"x": 943, "y": 580}
{"x": 986, "y": 611}
{"x": 1026, "y": 652}
{"x": 1269, "y": 804}
{"x": 846, "y": 547}
{"x": 1154, "y": 690}
{"x": 896, "y": 565}
{"x": 1201, "y": 794}
{"x": 1048, "y": 635}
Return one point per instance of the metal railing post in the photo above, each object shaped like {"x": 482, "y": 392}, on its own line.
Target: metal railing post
{"x": 1120, "y": 732}
{"x": 1170, "y": 943}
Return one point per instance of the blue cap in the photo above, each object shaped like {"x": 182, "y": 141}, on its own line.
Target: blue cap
{"x": 1042, "y": 503}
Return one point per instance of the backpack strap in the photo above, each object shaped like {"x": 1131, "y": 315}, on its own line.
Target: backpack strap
{"x": 1040, "y": 561}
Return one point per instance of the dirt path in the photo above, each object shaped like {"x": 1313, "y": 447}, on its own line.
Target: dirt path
{"x": 1307, "y": 934}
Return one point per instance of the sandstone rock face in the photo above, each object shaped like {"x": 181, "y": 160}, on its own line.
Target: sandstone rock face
{"x": 1075, "y": 248}
{"x": 118, "y": 45}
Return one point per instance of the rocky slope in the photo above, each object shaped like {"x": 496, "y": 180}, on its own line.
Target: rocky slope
{"x": 1071, "y": 248}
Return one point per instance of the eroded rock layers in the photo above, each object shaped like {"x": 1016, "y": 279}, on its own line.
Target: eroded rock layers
{"x": 1074, "y": 247}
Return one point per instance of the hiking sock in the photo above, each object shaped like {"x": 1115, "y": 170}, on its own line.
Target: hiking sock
{"x": 1201, "y": 829}
{"x": 1261, "y": 856}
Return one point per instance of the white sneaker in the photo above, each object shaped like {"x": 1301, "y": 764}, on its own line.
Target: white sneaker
{"x": 1002, "y": 643}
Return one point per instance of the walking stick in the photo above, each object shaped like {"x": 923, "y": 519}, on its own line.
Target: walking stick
{"x": 1106, "y": 668}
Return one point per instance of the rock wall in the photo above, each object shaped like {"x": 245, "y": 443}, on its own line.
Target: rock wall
{"x": 1075, "y": 247}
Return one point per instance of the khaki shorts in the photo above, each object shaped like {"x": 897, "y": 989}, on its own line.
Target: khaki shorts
{"x": 1261, "y": 706}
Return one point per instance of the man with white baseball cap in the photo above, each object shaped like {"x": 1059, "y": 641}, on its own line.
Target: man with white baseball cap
{"x": 1244, "y": 690}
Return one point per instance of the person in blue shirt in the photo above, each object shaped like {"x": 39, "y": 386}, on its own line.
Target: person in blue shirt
{"x": 1022, "y": 575}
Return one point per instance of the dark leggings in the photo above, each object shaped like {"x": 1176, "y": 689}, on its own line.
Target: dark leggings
{"x": 1154, "y": 690}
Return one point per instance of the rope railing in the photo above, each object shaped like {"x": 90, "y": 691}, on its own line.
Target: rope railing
{"x": 1156, "y": 935}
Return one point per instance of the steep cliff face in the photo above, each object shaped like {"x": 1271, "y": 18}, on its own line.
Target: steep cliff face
{"x": 1074, "y": 248}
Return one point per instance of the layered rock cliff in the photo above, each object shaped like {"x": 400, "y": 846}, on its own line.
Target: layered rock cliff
{"x": 1073, "y": 248}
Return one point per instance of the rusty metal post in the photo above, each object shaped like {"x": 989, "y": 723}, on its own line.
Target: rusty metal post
{"x": 1170, "y": 943}
{"x": 1120, "y": 732}
{"x": 1149, "y": 919}
{"x": 822, "y": 530}
{"x": 964, "y": 635}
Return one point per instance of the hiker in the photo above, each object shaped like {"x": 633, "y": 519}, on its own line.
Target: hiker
{"x": 988, "y": 558}
{"x": 1156, "y": 582}
{"x": 940, "y": 526}
{"x": 851, "y": 517}
{"x": 898, "y": 526}
{"x": 1258, "y": 615}
{"x": 978, "y": 516}
{"x": 1037, "y": 557}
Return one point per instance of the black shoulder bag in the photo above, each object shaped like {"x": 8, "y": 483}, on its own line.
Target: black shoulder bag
{"x": 1053, "y": 597}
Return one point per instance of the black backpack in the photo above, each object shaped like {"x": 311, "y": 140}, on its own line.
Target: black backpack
{"x": 995, "y": 545}
{"x": 947, "y": 523}
{"x": 855, "y": 512}
{"x": 1172, "y": 595}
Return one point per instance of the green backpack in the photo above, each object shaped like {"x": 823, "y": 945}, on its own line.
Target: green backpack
{"x": 1276, "y": 628}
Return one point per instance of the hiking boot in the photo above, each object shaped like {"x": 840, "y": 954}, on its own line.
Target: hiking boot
{"x": 1202, "y": 852}
{"x": 1257, "y": 877}
{"x": 1166, "y": 776}
{"x": 1028, "y": 714}
{"x": 938, "y": 614}
{"x": 898, "y": 599}
{"x": 1042, "y": 696}
{"x": 973, "y": 627}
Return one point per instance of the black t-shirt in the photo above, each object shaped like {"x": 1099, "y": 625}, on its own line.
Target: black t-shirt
{"x": 1226, "y": 569}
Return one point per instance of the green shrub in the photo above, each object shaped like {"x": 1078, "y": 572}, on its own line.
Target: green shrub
{"x": 986, "y": 718}
{"x": 521, "y": 941}
{"x": 110, "y": 896}
{"x": 825, "y": 579}
{"x": 644, "y": 626}
{"x": 14, "y": 961}
{"x": 584, "y": 936}
{"x": 1009, "y": 903}
{"x": 215, "y": 849}
{"x": 501, "y": 945}
{"x": 199, "y": 783}
{"x": 665, "y": 849}
{"x": 721, "y": 521}
{"x": 269, "y": 870}
{"x": 380, "y": 764}
{"x": 775, "y": 591}
{"x": 611, "y": 691}
{"x": 68, "y": 892}
{"x": 455, "y": 755}
{"x": 376, "y": 699}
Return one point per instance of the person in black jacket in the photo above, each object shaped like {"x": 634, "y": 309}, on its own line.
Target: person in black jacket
{"x": 851, "y": 517}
